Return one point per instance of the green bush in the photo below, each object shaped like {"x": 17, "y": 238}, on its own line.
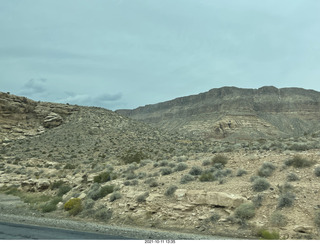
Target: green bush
{"x": 96, "y": 192}
{"x": 257, "y": 201}
{"x": 317, "y": 171}
{"x": 241, "y": 172}
{"x": 265, "y": 234}
{"x": 292, "y": 177}
{"x": 166, "y": 171}
{"x": 73, "y": 206}
{"x": 51, "y": 205}
{"x": 219, "y": 159}
{"x": 286, "y": 200}
{"x": 106, "y": 190}
{"x": 133, "y": 155}
{"x": 181, "y": 167}
{"x": 260, "y": 184}
{"x": 69, "y": 166}
{"x": 266, "y": 169}
{"x": 195, "y": 170}
{"x": 286, "y": 187}
{"x": 245, "y": 211}
{"x": 186, "y": 178}
{"x": 102, "y": 177}
{"x": 63, "y": 189}
{"x": 103, "y": 214}
{"x": 56, "y": 184}
{"x": 277, "y": 219}
{"x": 208, "y": 176}
{"x": 299, "y": 162}
{"x": 171, "y": 189}
{"x": 214, "y": 217}
{"x": 142, "y": 198}
{"x": 114, "y": 196}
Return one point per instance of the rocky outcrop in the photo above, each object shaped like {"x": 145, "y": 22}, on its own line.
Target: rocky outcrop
{"x": 21, "y": 117}
{"x": 52, "y": 120}
{"x": 201, "y": 197}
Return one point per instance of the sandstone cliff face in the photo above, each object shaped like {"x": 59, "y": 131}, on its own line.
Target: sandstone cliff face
{"x": 239, "y": 113}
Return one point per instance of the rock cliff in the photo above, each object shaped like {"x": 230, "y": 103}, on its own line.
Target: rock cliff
{"x": 236, "y": 113}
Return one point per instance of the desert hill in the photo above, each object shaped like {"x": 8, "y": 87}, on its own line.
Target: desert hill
{"x": 235, "y": 113}
{"x": 93, "y": 164}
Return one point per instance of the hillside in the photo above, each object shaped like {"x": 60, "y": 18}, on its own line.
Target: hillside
{"x": 232, "y": 113}
{"x": 95, "y": 165}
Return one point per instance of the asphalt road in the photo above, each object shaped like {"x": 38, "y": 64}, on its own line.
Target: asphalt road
{"x": 10, "y": 231}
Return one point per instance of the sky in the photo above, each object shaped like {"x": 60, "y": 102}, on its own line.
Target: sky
{"x": 121, "y": 54}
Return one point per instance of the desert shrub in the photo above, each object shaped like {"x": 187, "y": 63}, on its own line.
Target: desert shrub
{"x": 153, "y": 183}
{"x": 142, "y": 198}
{"x": 245, "y": 211}
{"x": 142, "y": 175}
{"x": 219, "y": 159}
{"x": 181, "y": 167}
{"x": 166, "y": 171}
{"x": 317, "y": 218}
{"x": 182, "y": 158}
{"x": 206, "y": 177}
{"x": 131, "y": 176}
{"x": 69, "y": 166}
{"x": 103, "y": 214}
{"x": 186, "y": 178}
{"x": 317, "y": 171}
{"x": 63, "y": 189}
{"x": 260, "y": 184}
{"x": 131, "y": 183}
{"x": 156, "y": 164}
{"x": 163, "y": 163}
{"x": 195, "y": 170}
{"x": 104, "y": 177}
{"x": 299, "y": 147}
{"x": 171, "y": 189}
{"x": 253, "y": 178}
{"x": 51, "y": 205}
{"x": 114, "y": 196}
{"x": 206, "y": 162}
{"x": 286, "y": 187}
{"x": 277, "y": 219}
{"x": 292, "y": 177}
{"x": 88, "y": 203}
{"x": 133, "y": 155}
{"x": 257, "y": 200}
{"x": 266, "y": 169}
{"x": 214, "y": 217}
{"x": 73, "y": 206}
{"x": 56, "y": 184}
{"x": 105, "y": 190}
{"x": 286, "y": 200}
{"x": 96, "y": 192}
{"x": 299, "y": 162}
{"x": 267, "y": 235}
{"x": 241, "y": 172}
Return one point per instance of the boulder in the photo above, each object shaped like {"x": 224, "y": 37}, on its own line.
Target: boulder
{"x": 43, "y": 185}
{"x": 303, "y": 229}
{"x": 201, "y": 197}
{"x": 52, "y": 120}
{"x": 224, "y": 199}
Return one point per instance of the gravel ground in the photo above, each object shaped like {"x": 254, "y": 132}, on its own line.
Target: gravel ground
{"x": 13, "y": 210}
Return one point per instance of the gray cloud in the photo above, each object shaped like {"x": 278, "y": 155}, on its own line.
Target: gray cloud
{"x": 34, "y": 87}
{"x": 89, "y": 100}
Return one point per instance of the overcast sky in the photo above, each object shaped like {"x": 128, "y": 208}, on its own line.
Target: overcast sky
{"x": 129, "y": 53}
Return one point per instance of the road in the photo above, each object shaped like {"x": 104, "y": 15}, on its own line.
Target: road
{"x": 10, "y": 231}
